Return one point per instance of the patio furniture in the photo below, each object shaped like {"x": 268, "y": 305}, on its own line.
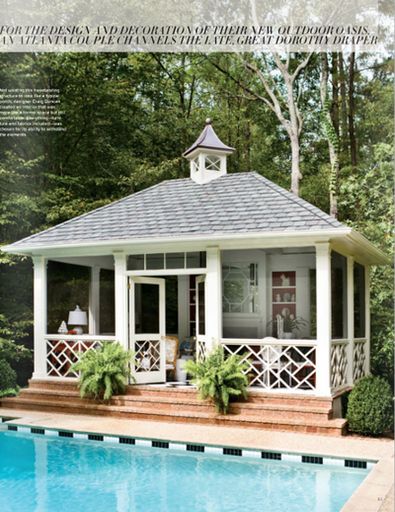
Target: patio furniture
{"x": 171, "y": 347}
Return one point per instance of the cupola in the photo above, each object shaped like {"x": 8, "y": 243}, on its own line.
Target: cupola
{"x": 207, "y": 156}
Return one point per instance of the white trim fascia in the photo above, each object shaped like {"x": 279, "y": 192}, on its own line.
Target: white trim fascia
{"x": 117, "y": 245}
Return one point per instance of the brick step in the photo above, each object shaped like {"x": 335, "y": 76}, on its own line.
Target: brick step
{"x": 269, "y": 421}
{"x": 190, "y": 391}
{"x": 182, "y": 404}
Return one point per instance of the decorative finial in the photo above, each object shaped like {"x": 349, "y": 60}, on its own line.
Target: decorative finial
{"x": 208, "y": 120}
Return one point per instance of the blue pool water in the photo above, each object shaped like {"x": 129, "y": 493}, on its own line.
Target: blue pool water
{"x": 48, "y": 474}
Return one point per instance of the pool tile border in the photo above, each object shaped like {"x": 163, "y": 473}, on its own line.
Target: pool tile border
{"x": 198, "y": 448}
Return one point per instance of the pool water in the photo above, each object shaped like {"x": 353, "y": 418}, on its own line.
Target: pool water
{"x": 48, "y": 474}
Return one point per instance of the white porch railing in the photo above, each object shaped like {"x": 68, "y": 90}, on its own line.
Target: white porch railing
{"x": 339, "y": 363}
{"x": 277, "y": 365}
{"x": 62, "y": 351}
{"x": 360, "y": 358}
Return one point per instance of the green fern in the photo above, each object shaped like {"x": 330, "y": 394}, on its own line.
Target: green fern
{"x": 103, "y": 372}
{"x": 219, "y": 378}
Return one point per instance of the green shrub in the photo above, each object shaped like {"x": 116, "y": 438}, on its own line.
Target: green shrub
{"x": 7, "y": 376}
{"x": 104, "y": 372}
{"x": 219, "y": 378}
{"x": 370, "y": 406}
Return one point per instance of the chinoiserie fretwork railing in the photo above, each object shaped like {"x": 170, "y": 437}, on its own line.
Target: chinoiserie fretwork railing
{"x": 360, "y": 357}
{"x": 62, "y": 351}
{"x": 201, "y": 347}
{"x": 147, "y": 353}
{"x": 277, "y": 364}
{"x": 339, "y": 363}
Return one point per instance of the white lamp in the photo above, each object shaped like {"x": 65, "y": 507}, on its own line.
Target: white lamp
{"x": 78, "y": 318}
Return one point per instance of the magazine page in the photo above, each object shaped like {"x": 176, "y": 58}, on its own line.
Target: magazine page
{"x": 196, "y": 280}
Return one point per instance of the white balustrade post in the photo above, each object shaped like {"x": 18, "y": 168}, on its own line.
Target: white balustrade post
{"x": 213, "y": 298}
{"x": 121, "y": 299}
{"x": 367, "y": 319}
{"x": 40, "y": 317}
{"x": 324, "y": 313}
{"x": 350, "y": 320}
{"x": 94, "y": 301}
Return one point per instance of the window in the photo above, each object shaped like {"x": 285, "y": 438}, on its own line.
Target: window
{"x": 212, "y": 163}
{"x": 171, "y": 260}
{"x": 240, "y": 287}
{"x": 339, "y": 295}
{"x": 359, "y": 301}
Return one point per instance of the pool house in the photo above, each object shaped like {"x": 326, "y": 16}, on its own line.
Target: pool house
{"x": 217, "y": 258}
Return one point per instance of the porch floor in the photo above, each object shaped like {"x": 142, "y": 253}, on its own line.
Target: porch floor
{"x": 373, "y": 495}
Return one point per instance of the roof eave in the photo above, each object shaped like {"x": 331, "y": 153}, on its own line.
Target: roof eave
{"x": 312, "y": 235}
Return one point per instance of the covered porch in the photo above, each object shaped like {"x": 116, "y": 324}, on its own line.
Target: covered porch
{"x": 297, "y": 311}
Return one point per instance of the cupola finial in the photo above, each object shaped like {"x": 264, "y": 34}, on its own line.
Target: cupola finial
{"x": 207, "y": 155}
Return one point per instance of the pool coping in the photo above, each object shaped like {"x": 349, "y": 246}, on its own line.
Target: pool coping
{"x": 369, "y": 497}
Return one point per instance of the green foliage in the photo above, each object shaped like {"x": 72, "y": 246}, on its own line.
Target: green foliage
{"x": 370, "y": 406}
{"x": 219, "y": 378}
{"x": 366, "y": 197}
{"x": 13, "y": 353}
{"x": 104, "y": 372}
{"x": 7, "y": 376}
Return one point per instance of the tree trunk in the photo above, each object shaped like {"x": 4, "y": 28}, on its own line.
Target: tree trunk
{"x": 343, "y": 103}
{"x": 335, "y": 92}
{"x": 351, "y": 111}
{"x": 295, "y": 167}
{"x": 331, "y": 136}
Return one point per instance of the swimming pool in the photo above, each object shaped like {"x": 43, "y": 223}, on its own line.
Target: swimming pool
{"x": 51, "y": 474}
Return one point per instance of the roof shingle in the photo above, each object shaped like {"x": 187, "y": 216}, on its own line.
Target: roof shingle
{"x": 234, "y": 203}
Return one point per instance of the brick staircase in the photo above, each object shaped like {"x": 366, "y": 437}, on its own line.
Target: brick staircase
{"x": 292, "y": 413}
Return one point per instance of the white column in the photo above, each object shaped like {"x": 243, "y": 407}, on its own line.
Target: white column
{"x": 94, "y": 301}
{"x": 213, "y": 298}
{"x": 121, "y": 299}
{"x": 367, "y": 319}
{"x": 323, "y": 353}
{"x": 350, "y": 320}
{"x": 40, "y": 317}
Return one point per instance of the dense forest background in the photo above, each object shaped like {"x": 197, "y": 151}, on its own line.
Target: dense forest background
{"x": 129, "y": 117}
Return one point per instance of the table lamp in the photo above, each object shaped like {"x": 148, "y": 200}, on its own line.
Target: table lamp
{"x": 78, "y": 318}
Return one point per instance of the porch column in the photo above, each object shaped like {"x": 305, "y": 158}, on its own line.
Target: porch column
{"x": 350, "y": 320}
{"x": 324, "y": 313}
{"x": 213, "y": 298}
{"x": 40, "y": 316}
{"x": 367, "y": 319}
{"x": 121, "y": 299}
{"x": 94, "y": 301}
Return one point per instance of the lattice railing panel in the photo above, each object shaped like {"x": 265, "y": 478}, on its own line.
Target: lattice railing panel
{"x": 277, "y": 366}
{"x": 338, "y": 364}
{"x": 63, "y": 353}
{"x": 201, "y": 349}
{"x": 147, "y": 355}
{"x": 359, "y": 359}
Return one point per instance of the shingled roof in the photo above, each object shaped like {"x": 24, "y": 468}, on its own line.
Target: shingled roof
{"x": 234, "y": 203}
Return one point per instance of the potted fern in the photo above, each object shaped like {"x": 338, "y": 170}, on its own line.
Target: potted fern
{"x": 103, "y": 372}
{"x": 219, "y": 378}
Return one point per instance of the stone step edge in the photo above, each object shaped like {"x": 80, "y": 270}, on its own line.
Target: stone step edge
{"x": 152, "y": 389}
{"x": 329, "y": 423}
{"x": 251, "y": 406}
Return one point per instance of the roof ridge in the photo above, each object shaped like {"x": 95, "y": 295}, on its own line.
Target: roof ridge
{"x": 296, "y": 199}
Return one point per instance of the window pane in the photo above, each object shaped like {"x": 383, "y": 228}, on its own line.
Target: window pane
{"x": 196, "y": 259}
{"x": 175, "y": 260}
{"x": 339, "y": 295}
{"x": 155, "y": 261}
{"x": 240, "y": 286}
{"x": 359, "y": 301}
{"x": 136, "y": 262}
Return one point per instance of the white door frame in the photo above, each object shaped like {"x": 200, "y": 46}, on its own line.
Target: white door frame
{"x": 201, "y": 339}
{"x": 149, "y": 348}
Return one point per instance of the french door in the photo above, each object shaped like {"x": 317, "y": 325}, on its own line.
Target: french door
{"x": 147, "y": 328}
